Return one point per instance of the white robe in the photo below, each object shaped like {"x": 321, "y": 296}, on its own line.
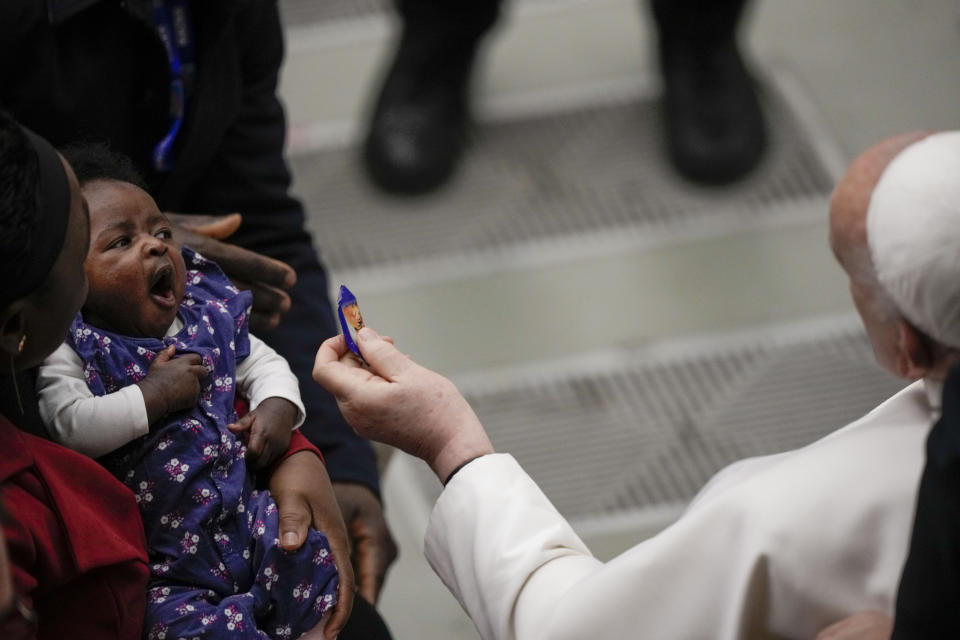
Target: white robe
{"x": 778, "y": 546}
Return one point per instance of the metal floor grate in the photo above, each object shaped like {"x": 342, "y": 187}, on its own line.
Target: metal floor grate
{"x": 301, "y": 12}
{"x": 650, "y": 430}
{"x": 598, "y": 170}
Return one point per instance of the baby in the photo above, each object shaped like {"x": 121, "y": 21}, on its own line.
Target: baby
{"x": 146, "y": 381}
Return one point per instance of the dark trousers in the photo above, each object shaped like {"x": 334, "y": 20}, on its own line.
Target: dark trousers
{"x": 365, "y": 623}
{"x": 688, "y": 21}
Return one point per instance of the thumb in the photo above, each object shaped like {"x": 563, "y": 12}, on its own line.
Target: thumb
{"x": 384, "y": 358}
{"x": 166, "y": 353}
{"x": 242, "y": 424}
{"x": 257, "y": 441}
{"x": 218, "y": 227}
{"x": 294, "y": 520}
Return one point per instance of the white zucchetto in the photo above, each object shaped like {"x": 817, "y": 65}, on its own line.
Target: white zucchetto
{"x": 913, "y": 231}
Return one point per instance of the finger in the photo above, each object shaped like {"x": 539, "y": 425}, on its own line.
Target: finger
{"x": 269, "y": 304}
{"x": 327, "y": 361}
{"x": 266, "y": 299}
{"x": 384, "y": 358}
{"x": 837, "y": 631}
{"x": 341, "y": 612}
{"x": 373, "y": 546}
{"x": 248, "y": 266}
{"x": 339, "y": 548}
{"x": 830, "y": 633}
{"x": 331, "y": 523}
{"x": 374, "y": 551}
{"x": 336, "y": 369}
{"x": 294, "y": 520}
{"x": 241, "y": 425}
{"x": 218, "y": 227}
{"x": 255, "y": 446}
{"x": 331, "y": 350}
{"x": 184, "y": 236}
{"x": 199, "y": 370}
{"x": 263, "y": 322}
{"x": 191, "y": 358}
{"x": 368, "y": 576}
{"x": 268, "y": 454}
{"x": 165, "y": 354}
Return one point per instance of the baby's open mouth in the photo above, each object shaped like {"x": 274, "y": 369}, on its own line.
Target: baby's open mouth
{"x": 161, "y": 286}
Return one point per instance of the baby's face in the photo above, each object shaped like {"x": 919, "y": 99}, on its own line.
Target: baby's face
{"x": 136, "y": 273}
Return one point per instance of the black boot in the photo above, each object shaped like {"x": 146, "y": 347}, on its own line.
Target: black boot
{"x": 715, "y": 131}
{"x": 714, "y": 125}
{"x": 418, "y": 127}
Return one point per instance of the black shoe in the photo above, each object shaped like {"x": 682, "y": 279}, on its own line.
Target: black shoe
{"x": 715, "y": 130}
{"x": 418, "y": 128}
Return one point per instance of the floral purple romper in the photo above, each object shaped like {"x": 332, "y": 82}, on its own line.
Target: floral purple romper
{"x": 217, "y": 570}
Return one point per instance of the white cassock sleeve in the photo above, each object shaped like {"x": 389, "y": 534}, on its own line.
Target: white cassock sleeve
{"x": 265, "y": 374}
{"x": 782, "y": 550}
{"x": 75, "y": 418}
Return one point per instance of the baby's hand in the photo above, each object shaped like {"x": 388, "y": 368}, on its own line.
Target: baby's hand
{"x": 266, "y": 430}
{"x": 172, "y": 384}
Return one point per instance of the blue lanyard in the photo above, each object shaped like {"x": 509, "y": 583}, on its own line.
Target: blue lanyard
{"x": 171, "y": 19}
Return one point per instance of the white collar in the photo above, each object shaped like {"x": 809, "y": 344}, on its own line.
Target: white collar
{"x": 174, "y": 327}
{"x": 934, "y": 390}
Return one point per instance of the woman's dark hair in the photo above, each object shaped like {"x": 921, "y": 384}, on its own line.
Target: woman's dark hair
{"x": 19, "y": 184}
{"x": 97, "y": 161}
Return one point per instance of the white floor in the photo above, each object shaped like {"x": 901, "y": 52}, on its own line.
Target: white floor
{"x": 871, "y": 69}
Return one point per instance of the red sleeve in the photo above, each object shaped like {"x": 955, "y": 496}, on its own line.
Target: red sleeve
{"x": 32, "y": 559}
{"x": 22, "y": 556}
{"x": 298, "y": 442}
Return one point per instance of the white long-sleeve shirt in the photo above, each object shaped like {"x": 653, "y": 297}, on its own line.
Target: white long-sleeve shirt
{"x": 96, "y": 425}
{"x": 779, "y": 546}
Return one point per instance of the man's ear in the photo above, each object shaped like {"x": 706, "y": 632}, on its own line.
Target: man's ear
{"x": 12, "y": 327}
{"x": 914, "y": 358}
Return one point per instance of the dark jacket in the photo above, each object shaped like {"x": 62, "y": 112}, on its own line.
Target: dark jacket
{"x": 930, "y": 586}
{"x": 76, "y": 70}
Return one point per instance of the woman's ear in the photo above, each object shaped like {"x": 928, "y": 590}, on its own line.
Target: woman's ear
{"x": 13, "y": 328}
{"x": 914, "y": 358}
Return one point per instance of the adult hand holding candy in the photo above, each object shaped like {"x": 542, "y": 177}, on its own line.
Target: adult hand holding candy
{"x": 400, "y": 403}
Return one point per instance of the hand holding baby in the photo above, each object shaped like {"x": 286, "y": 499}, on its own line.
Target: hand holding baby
{"x": 266, "y": 430}
{"x": 266, "y": 278}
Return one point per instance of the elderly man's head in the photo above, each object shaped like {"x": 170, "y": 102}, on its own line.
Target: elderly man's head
{"x": 895, "y": 228}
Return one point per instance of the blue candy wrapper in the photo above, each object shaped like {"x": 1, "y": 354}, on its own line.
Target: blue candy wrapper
{"x": 350, "y": 319}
